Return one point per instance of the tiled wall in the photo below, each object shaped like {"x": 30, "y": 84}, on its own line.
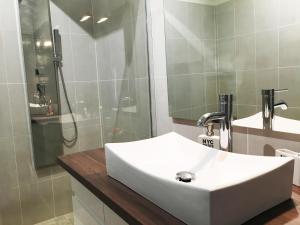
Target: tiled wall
{"x": 249, "y": 141}
{"x": 27, "y": 195}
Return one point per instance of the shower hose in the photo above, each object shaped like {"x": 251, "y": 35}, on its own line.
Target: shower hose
{"x": 72, "y": 141}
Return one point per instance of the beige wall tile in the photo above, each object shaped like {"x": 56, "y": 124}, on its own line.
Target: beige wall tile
{"x": 226, "y": 54}
{"x": 244, "y": 10}
{"x": 225, "y": 19}
{"x": 260, "y": 145}
{"x": 211, "y": 85}
{"x": 289, "y": 78}
{"x": 5, "y": 115}
{"x": 12, "y": 56}
{"x": 245, "y": 84}
{"x": 10, "y": 211}
{"x": 196, "y": 56}
{"x": 240, "y": 144}
{"x": 246, "y": 110}
{"x": 37, "y": 202}
{"x": 27, "y": 174}
{"x": 8, "y": 171}
{"x": 62, "y": 195}
{"x": 289, "y": 12}
{"x": 245, "y": 52}
{"x": 289, "y": 46}
{"x": 20, "y": 118}
{"x": 267, "y": 49}
{"x": 266, "y": 14}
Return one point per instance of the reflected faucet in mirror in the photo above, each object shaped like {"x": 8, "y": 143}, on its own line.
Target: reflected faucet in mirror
{"x": 269, "y": 106}
{"x": 224, "y": 118}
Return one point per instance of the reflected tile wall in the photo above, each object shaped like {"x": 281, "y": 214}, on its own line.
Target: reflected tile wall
{"x": 121, "y": 47}
{"x": 250, "y": 44}
{"x": 264, "y": 47}
{"x": 191, "y": 58}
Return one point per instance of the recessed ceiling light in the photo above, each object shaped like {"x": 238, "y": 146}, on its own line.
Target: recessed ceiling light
{"x": 47, "y": 43}
{"x": 84, "y": 18}
{"x": 103, "y": 19}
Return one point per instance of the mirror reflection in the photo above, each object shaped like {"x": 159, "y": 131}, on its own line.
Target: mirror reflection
{"x": 238, "y": 47}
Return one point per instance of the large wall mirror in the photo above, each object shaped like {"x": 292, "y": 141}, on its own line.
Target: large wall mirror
{"x": 234, "y": 46}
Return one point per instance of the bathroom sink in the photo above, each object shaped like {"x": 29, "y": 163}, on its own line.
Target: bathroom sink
{"x": 228, "y": 188}
{"x": 280, "y": 124}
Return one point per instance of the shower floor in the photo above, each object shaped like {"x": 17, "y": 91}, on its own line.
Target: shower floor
{"x": 66, "y": 219}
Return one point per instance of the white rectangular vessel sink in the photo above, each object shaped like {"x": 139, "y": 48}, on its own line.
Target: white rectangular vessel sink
{"x": 280, "y": 124}
{"x": 228, "y": 188}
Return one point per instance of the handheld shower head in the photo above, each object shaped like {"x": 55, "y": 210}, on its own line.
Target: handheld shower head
{"x": 57, "y": 45}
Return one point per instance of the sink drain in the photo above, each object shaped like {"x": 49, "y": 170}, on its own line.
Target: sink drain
{"x": 185, "y": 176}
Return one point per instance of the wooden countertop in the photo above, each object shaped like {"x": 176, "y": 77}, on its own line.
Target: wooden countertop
{"x": 89, "y": 168}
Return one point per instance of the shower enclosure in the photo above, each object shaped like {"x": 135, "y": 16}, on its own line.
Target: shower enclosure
{"x": 42, "y": 85}
{"x": 87, "y": 79}
{"x": 86, "y": 66}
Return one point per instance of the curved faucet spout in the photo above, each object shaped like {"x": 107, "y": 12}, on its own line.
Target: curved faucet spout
{"x": 282, "y": 104}
{"x": 268, "y": 106}
{"x": 210, "y": 117}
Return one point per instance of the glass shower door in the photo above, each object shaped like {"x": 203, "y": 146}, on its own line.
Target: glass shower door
{"x": 42, "y": 82}
{"x": 89, "y": 83}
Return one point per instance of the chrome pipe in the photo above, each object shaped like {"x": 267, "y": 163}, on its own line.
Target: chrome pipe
{"x": 269, "y": 105}
{"x": 224, "y": 118}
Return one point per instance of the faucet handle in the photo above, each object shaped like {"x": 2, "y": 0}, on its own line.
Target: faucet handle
{"x": 281, "y": 90}
{"x": 271, "y": 92}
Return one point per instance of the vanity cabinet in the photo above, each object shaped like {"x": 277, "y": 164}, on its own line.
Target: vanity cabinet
{"x": 88, "y": 209}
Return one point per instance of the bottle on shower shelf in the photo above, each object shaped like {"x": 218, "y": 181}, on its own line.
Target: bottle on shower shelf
{"x": 50, "y": 108}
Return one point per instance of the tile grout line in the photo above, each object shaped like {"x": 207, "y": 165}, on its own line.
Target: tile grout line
{"x": 10, "y": 113}
{"x": 235, "y": 55}
{"x": 15, "y": 155}
{"x": 255, "y": 53}
{"x": 278, "y": 44}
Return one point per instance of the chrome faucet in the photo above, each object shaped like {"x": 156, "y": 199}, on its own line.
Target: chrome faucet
{"x": 269, "y": 106}
{"x": 224, "y": 118}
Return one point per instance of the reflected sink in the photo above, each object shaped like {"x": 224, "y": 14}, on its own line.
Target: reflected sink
{"x": 280, "y": 124}
{"x": 37, "y": 109}
{"x": 228, "y": 188}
